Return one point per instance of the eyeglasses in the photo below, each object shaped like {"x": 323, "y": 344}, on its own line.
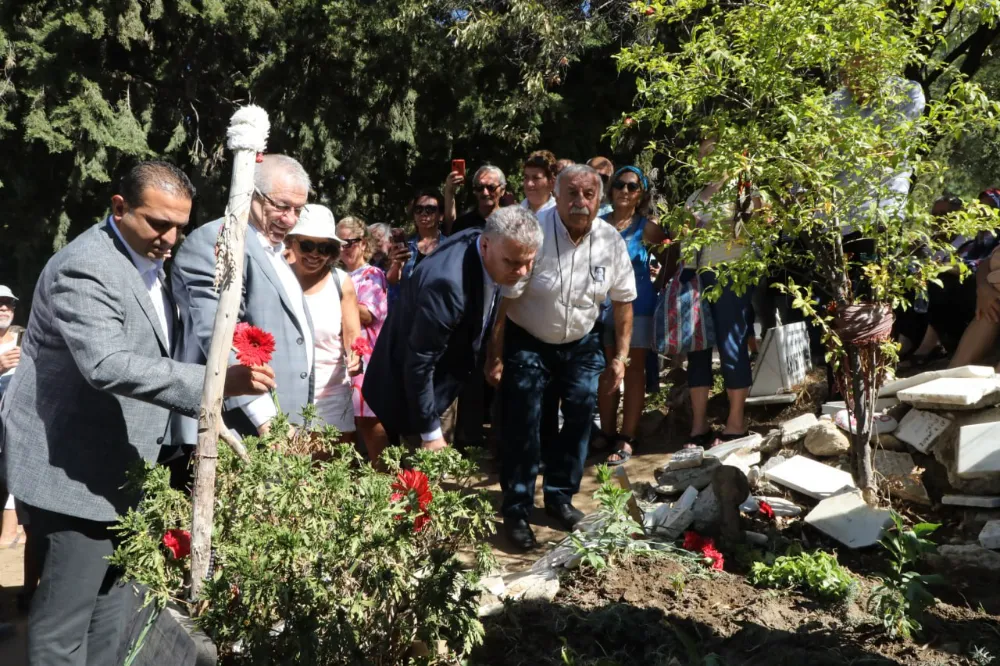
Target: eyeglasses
{"x": 281, "y": 208}
{"x": 485, "y": 186}
{"x": 631, "y": 186}
{"x": 325, "y": 249}
{"x": 427, "y": 210}
{"x": 351, "y": 242}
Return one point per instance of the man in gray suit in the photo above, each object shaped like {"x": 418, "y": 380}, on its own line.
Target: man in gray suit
{"x": 272, "y": 298}
{"x": 91, "y": 397}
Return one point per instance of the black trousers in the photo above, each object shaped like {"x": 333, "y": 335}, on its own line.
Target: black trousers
{"x": 76, "y": 613}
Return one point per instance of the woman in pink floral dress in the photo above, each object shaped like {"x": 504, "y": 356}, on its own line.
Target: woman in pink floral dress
{"x": 371, "y": 287}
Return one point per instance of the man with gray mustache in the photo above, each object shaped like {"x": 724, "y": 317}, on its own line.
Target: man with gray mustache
{"x": 546, "y": 351}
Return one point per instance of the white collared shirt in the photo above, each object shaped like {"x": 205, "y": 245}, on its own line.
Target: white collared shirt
{"x": 489, "y": 292}
{"x": 551, "y": 203}
{"x": 153, "y": 278}
{"x": 559, "y": 301}
{"x": 262, "y": 409}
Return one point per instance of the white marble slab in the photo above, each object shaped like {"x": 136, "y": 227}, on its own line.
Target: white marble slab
{"x": 893, "y": 387}
{"x": 921, "y": 429}
{"x": 953, "y": 393}
{"x": 978, "y": 450}
{"x": 881, "y": 404}
{"x": 751, "y": 442}
{"x": 849, "y": 520}
{"x": 780, "y": 505}
{"x": 979, "y": 501}
{"x": 810, "y": 477}
{"x": 686, "y": 458}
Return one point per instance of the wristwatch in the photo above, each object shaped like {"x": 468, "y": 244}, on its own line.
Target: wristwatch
{"x": 624, "y": 359}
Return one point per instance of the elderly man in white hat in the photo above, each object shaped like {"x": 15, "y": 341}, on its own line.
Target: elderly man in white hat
{"x": 313, "y": 247}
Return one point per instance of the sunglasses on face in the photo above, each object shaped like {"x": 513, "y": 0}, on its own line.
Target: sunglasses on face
{"x": 631, "y": 186}
{"x": 325, "y": 249}
{"x": 426, "y": 210}
{"x": 280, "y": 208}
{"x": 485, "y": 186}
{"x": 351, "y": 242}
{"x": 7, "y": 303}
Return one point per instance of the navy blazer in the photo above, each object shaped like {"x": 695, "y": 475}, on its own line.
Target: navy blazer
{"x": 430, "y": 343}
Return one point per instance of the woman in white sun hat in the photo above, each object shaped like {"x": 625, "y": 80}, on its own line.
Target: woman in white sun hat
{"x": 312, "y": 249}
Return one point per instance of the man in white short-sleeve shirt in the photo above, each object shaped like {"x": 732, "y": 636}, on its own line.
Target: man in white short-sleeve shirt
{"x": 547, "y": 351}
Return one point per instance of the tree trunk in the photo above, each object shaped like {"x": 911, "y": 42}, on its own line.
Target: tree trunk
{"x": 863, "y": 403}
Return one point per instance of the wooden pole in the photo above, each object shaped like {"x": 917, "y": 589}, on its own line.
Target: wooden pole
{"x": 247, "y": 136}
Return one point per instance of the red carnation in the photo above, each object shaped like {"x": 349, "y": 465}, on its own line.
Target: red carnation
{"x": 714, "y": 557}
{"x": 766, "y": 509}
{"x": 253, "y": 346}
{"x": 361, "y": 346}
{"x": 178, "y": 542}
{"x": 695, "y": 542}
{"x": 413, "y": 487}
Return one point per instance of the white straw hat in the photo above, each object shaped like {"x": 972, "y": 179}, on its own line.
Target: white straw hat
{"x": 316, "y": 221}
{"x": 5, "y": 292}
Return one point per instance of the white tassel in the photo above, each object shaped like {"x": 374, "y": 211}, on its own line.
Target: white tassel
{"x": 248, "y": 129}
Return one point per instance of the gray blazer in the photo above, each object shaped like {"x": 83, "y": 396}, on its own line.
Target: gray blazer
{"x": 93, "y": 392}
{"x": 263, "y": 304}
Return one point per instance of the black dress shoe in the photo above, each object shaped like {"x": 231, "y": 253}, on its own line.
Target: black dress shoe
{"x": 519, "y": 533}
{"x": 567, "y": 514}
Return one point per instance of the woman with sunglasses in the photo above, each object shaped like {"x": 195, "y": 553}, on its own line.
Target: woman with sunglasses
{"x": 373, "y": 306}
{"x": 312, "y": 248}
{"x": 630, "y": 198}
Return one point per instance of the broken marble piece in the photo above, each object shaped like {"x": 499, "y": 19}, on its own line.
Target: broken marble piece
{"x": 676, "y": 481}
{"x": 965, "y": 556}
{"x": 742, "y": 460}
{"x": 749, "y": 443}
{"x": 810, "y": 477}
{"x": 921, "y": 429}
{"x": 557, "y": 557}
{"x": 952, "y": 393}
{"x": 966, "y": 371}
{"x": 778, "y": 399}
{"x": 529, "y": 586}
{"x": 900, "y": 476}
{"x": 978, "y": 450}
{"x": 882, "y": 424}
{"x": 795, "y": 429}
{"x": 989, "y": 537}
{"x": 981, "y": 501}
{"x": 670, "y": 520}
{"x": 781, "y": 507}
{"x": 881, "y": 404}
{"x": 686, "y": 458}
{"x": 848, "y": 519}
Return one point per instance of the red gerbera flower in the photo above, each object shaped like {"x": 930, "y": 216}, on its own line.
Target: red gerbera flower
{"x": 714, "y": 557}
{"x": 253, "y": 346}
{"x": 695, "y": 542}
{"x": 178, "y": 542}
{"x": 766, "y": 510}
{"x": 361, "y": 346}
{"x": 413, "y": 487}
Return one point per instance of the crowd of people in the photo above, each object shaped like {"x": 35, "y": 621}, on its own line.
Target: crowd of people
{"x": 531, "y": 317}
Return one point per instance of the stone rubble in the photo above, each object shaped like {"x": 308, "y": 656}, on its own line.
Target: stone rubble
{"x": 826, "y": 439}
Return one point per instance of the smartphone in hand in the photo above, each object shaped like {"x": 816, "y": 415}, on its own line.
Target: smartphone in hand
{"x": 458, "y": 166}
{"x": 397, "y": 236}
{"x": 20, "y": 336}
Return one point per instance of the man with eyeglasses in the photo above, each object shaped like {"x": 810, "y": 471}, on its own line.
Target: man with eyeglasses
{"x": 547, "y": 352}
{"x": 604, "y": 167}
{"x": 488, "y": 186}
{"x": 272, "y": 298}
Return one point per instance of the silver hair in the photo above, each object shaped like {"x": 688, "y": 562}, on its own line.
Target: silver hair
{"x": 577, "y": 169}
{"x": 273, "y": 165}
{"x": 489, "y": 168}
{"x": 380, "y": 229}
{"x": 515, "y": 223}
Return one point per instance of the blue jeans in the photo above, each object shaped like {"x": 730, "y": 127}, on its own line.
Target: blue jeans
{"x": 538, "y": 377}
{"x": 733, "y": 316}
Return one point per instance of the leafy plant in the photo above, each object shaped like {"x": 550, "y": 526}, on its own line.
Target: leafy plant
{"x": 613, "y": 531}
{"x": 980, "y": 656}
{"x": 323, "y": 561}
{"x": 901, "y": 598}
{"x": 818, "y": 574}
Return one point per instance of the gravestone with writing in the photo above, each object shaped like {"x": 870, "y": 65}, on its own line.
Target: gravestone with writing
{"x": 921, "y": 429}
{"x": 784, "y": 360}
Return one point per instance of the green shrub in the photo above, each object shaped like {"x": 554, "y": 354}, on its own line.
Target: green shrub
{"x": 817, "y": 574}
{"x": 322, "y": 562}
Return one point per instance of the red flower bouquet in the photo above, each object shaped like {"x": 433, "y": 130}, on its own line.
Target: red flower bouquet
{"x": 413, "y": 487}
{"x": 706, "y": 546}
{"x": 178, "y": 542}
{"x": 253, "y": 346}
{"x": 766, "y": 510}
{"x": 361, "y": 346}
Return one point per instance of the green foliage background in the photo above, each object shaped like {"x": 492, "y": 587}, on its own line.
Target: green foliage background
{"x": 373, "y": 97}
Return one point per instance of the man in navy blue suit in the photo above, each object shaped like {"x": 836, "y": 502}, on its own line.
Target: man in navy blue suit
{"x": 435, "y": 335}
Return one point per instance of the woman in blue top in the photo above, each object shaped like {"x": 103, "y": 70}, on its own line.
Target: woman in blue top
{"x": 427, "y": 211}
{"x": 630, "y": 203}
